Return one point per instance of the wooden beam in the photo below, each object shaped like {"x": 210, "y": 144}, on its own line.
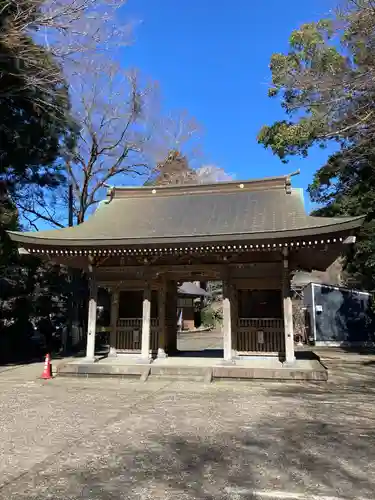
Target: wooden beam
{"x": 227, "y": 322}
{"x": 115, "y": 295}
{"x": 162, "y": 292}
{"x": 91, "y": 324}
{"x": 258, "y": 283}
{"x": 288, "y": 312}
{"x": 156, "y": 270}
{"x": 234, "y": 315}
{"x": 126, "y": 284}
{"x": 146, "y": 323}
{"x": 171, "y": 316}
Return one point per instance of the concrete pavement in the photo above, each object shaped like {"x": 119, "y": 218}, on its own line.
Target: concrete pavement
{"x": 120, "y": 439}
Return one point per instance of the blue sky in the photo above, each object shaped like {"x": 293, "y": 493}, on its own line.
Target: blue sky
{"x": 212, "y": 58}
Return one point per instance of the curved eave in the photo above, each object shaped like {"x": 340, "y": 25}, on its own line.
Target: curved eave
{"x": 33, "y": 240}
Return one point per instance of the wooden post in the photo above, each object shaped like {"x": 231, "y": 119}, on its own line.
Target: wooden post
{"x": 162, "y": 292}
{"x": 288, "y": 311}
{"x": 91, "y": 325}
{"x": 114, "y": 316}
{"x": 234, "y": 317}
{"x": 146, "y": 323}
{"x": 171, "y": 317}
{"x": 227, "y": 323}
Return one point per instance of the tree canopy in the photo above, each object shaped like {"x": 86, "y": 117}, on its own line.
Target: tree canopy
{"x": 325, "y": 84}
{"x": 344, "y": 187}
{"x": 35, "y": 127}
{"x": 35, "y": 121}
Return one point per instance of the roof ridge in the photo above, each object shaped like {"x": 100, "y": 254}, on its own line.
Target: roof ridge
{"x": 275, "y": 182}
{"x": 232, "y": 182}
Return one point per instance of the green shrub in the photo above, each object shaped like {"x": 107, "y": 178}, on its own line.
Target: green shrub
{"x": 211, "y": 317}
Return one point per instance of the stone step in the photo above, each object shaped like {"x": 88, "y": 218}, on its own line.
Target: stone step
{"x": 187, "y": 378}
{"x": 309, "y": 370}
{"x": 193, "y": 373}
{"x": 238, "y": 372}
{"x": 102, "y": 370}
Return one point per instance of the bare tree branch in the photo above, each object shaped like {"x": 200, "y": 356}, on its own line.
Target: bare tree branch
{"x": 71, "y": 31}
{"x": 175, "y": 131}
{"x": 39, "y": 216}
{"x": 112, "y": 106}
{"x": 122, "y": 132}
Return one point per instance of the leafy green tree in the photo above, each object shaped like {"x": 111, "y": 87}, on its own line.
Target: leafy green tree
{"x": 14, "y": 311}
{"x": 35, "y": 126}
{"x": 35, "y": 121}
{"x": 344, "y": 186}
{"x": 326, "y": 86}
{"x": 32, "y": 293}
{"x": 325, "y": 83}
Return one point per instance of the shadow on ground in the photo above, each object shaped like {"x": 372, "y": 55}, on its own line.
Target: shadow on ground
{"x": 297, "y": 443}
{"x": 307, "y": 355}
{"x": 297, "y": 456}
{"x": 204, "y": 353}
{"x": 363, "y": 350}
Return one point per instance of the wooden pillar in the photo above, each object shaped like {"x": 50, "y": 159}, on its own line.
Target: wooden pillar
{"x": 114, "y": 316}
{"x": 288, "y": 311}
{"x": 227, "y": 322}
{"x": 234, "y": 316}
{"x": 146, "y": 323}
{"x": 162, "y": 293}
{"x": 171, "y": 317}
{"x": 91, "y": 324}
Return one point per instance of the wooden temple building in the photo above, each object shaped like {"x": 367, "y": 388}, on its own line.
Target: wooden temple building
{"x": 142, "y": 241}
{"x": 189, "y": 305}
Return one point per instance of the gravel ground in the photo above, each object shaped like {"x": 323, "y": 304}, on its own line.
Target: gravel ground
{"x": 121, "y": 439}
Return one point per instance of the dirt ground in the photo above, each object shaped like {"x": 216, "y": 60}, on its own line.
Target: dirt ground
{"x": 121, "y": 439}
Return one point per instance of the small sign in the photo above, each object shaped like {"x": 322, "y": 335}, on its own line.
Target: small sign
{"x": 135, "y": 335}
{"x": 260, "y": 337}
{"x": 185, "y": 302}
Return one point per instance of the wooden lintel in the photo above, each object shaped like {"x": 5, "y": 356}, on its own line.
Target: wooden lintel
{"x": 100, "y": 260}
{"x": 152, "y": 269}
{"x": 119, "y": 285}
{"x": 265, "y": 283}
{"x": 133, "y": 275}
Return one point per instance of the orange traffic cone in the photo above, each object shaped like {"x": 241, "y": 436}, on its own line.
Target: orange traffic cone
{"x": 47, "y": 371}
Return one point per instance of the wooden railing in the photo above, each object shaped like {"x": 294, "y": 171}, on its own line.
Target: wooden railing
{"x": 260, "y": 335}
{"x": 154, "y": 340}
{"x": 129, "y": 334}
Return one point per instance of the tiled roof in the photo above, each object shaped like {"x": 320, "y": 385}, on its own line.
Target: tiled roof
{"x": 236, "y": 211}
